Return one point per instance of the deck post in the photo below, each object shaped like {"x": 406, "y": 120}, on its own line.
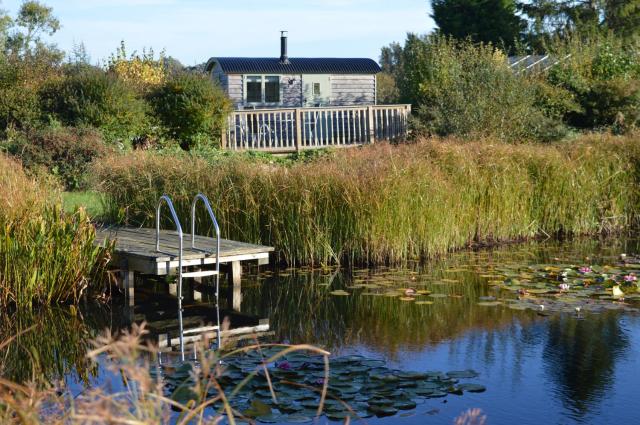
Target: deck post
{"x": 197, "y": 295}
{"x": 235, "y": 274}
{"x": 224, "y": 142}
{"x": 298, "y": 129}
{"x": 235, "y": 279}
{"x": 372, "y": 125}
{"x": 128, "y": 280}
{"x": 234, "y": 297}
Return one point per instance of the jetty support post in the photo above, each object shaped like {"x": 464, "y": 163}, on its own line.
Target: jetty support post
{"x": 234, "y": 271}
{"x": 127, "y": 282}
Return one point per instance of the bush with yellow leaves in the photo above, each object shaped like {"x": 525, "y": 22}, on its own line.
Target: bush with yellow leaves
{"x": 141, "y": 71}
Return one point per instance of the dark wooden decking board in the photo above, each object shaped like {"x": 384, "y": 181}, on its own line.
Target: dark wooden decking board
{"x": 138, "y": 247}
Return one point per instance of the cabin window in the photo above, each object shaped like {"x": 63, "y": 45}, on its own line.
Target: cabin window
{"x": 262, "y": 89}
{"x": 254, "y": 89}
{"x": 272, "y": 89}
{"x": 316, "y": 89}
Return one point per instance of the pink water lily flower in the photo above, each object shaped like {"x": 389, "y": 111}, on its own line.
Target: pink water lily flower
{"x": 585, "y": 269}
{"x": 564, "y": 286}
{"x": 630, "y": 278}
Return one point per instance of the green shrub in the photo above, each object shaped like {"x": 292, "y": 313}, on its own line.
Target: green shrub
{"x": 20, "y": 81}
{"x": 468, "y": 90}
{"x": 191, "y": 108}
{"x": 64, "y": 152}
{"x": 390, "y": 204}
{"x": 92, "y": 98}
{"x": 602, "y": 75}
{"x": 386, "y": 89}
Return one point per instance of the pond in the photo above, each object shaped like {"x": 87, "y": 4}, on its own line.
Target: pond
{"x": 516, "y": 343}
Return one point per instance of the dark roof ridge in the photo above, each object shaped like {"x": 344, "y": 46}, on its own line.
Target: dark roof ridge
{"x": 296, "y": 65}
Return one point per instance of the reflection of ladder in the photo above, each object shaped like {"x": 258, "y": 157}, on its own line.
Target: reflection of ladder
{"x": 196, "y": 274}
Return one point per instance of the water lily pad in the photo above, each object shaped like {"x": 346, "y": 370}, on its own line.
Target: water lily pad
{"x": 438, "y": 295}
{"x": 382, "y": 411}
{"x": 489, "y": 303}
{"x": 269, "y": 419}
{"x": 407, "y": 299}
{"x": 424, "y": 303}
{"x": 257, "y": 409}
{"x": 405, "y": 405}
{"x": 340, "y": 293}
{"x": 183, "y": 394}
{"x": 298, "y": 419}
{"x": 463, "y": 374}
{"x": 517, "y": 306}
{"x": 472, "y": 388}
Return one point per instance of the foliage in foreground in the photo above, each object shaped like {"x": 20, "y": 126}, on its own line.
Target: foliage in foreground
{"x": 46, "y": 256}
{"x": 206, "y": 393}
{"x": 389, "y": 204}
{"x": 142, "y": 399}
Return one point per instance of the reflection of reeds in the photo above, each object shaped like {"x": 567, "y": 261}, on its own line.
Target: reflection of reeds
{"x": 45, "y": 345}
{"x": 46, "y": 256}
{"x": 390, "y": 204}
{"x": 301, "y": 308}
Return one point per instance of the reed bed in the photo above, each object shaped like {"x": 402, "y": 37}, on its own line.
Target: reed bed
{"x": 46, "y": 256}
{"x": 388, "y": 204}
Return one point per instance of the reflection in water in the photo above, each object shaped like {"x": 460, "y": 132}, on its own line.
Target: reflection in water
{"x": 580, "y": 357}
{"x": 302, "y": 309}
{"x": 54, "y": 345}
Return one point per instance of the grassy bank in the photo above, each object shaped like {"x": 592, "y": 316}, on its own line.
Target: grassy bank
{"x": 389, "y": 204}
{"x": 46, "y": 255}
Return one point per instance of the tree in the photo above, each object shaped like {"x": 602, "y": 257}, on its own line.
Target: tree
{"x": 34, "y": 20}
{"x": 487, "y": 21}
{"x": 560, "y": 18}
{"x": 623, "y": 17}
{"x": 5, "y": 24}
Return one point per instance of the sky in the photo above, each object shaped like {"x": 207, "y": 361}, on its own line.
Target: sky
{"x": 192, "y": 31}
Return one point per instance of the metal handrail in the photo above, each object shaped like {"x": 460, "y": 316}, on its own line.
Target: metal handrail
{"x": 207, "y": 205}
{"x": 176, "y": 221}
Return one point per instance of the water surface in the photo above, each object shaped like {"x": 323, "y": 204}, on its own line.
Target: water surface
{"x": 558, "y": 369}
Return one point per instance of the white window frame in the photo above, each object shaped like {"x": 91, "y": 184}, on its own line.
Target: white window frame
{"x": 263, "y": 80}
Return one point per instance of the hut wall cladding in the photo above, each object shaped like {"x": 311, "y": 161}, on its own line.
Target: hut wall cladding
{"x": 347, "y": 90}
{"x": 235, "y": 88}
{"x": 291, "y": 92}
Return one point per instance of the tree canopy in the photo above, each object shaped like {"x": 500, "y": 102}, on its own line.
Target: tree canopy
{"x": 559, "y": 18}
{"x": 34, "y": 19}
{"x": 487, "y": 21}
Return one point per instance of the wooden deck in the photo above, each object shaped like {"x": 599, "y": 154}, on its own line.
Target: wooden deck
{"x": 136, "y": 249}
{"x": 293, "y": 130}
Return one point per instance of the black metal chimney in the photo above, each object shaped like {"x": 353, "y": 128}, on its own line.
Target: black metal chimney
{"x": 284, "y": 58}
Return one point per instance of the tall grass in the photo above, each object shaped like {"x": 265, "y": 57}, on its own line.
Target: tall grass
{"x": 388, "y": 204}
{"x": 46, "y": 256}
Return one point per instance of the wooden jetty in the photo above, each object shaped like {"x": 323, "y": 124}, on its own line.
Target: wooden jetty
{"x": 135, "y": 252}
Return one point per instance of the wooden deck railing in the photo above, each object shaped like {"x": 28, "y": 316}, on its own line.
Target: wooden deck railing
{"x": 291, "y": 130}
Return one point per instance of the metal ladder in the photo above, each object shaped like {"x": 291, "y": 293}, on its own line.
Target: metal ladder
{"x": 203, "y": 273}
